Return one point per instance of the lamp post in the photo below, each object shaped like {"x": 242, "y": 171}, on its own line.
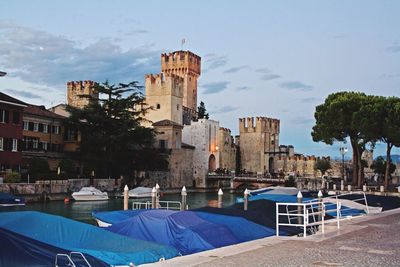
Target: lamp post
{"x": 343, "y": 150}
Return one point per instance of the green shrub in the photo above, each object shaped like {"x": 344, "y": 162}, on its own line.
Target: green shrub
{"x": 12, "y": 177}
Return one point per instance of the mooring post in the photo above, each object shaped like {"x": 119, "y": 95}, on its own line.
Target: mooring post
{"x": 365, "y": 188}
{"x": 184, "y": 194}
{"x": 246, "y": 199}
{"x": 349, "y": 187}
{"x": 300, "y": 208}
{"x": 126, "y": 197}
{"x": 157, "y": 196}
{"x": 220, "y": 195}
{"x": 382, "y": 188}
{"x": 320, "y": 205}
{"x": 334, "y": 188}
{"x": 341, "y": 185}
{"x": 153, "y": 198}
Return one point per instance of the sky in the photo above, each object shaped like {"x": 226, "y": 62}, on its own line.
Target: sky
{"x": 276, "y": 59}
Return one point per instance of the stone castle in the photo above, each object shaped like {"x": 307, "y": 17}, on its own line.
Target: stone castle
{"x": 198, "y": 147}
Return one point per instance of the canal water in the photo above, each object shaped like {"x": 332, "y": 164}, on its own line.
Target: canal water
{"x": 81, "y": 211}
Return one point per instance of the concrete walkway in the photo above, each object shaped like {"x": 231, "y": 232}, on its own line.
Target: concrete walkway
{"x": 372, "y": 240}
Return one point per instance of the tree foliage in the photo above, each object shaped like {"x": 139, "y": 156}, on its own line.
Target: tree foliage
{"x": 113, "y": 142}
{"x": 322, "y": 165}
{"x": 379, "y": 166}
{"x": 38, "y": 168}
{"x": 202, "y": 111}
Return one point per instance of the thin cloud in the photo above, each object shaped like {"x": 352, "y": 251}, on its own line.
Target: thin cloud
{"x": 263, "y": 70}
{"x": 270, "y": 76}
{"x": 43, "y": 58}
{"x": 23, "y": 94}
{"x": 296, "y": 85}
{"x": 310, "y": 100}
{"x": 243, "y": 88}
{"x": 394, "y": 48}
{"x": 212, "y": 88}
{"x": 213, "y": 61}
{"x": 236, "y": 69}
{"x": 224, "y": 109}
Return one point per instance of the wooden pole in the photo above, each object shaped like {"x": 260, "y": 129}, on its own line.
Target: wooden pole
{"x": 246, "y": 199}
{"x": 184, "y": 195}
{"x": 220, "y": 195}
{"x": 126, "y": 197}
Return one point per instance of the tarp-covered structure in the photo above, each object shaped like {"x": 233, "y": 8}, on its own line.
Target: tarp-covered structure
{"x": 68, "y": 235}
{"x": 188, "y": 231}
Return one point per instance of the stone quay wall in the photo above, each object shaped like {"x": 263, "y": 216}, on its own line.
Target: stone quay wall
{"x": 56, "y": 189}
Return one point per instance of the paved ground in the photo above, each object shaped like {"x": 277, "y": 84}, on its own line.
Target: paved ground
{"x": 368, "y": 241}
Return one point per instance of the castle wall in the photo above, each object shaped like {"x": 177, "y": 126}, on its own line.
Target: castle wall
{"x": 227, "y": 150}
{"x": 203, "y": 134}
{"x": 259, "y": 141}
{"x": 75, "y": 91}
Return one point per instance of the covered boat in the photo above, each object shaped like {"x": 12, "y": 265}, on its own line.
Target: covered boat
{"x": 46, "y": 235}
{"x": 11, "y": 200}
{"x": 89, "y": 194}
{"x": 187, "y": 231}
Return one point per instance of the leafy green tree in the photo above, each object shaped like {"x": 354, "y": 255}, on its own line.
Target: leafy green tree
{"x": 322, "y": 165}
{"x": 380, "y": 119}
{"x": 113, "y": 142}
{"x": 335, "y": 121}
{"x": 202, "y": 111}
{"x": 67, "y": 168}
{"x": 12, "y": 177}
{"x": 379, "y": 166}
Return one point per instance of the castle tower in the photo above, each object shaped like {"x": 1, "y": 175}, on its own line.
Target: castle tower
{"x": 164, "y": 92}
{"x": 259, "y": 143}
{"x": 76, "y": 92}
{"x": 187, "y": 65}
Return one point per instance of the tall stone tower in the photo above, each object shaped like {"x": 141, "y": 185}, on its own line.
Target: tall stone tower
{"x": 164, "y": 92}
{"x": 259, "y": 143}
{"x": 173, "y": 92}
{"x": 187, "y": 65}
{"x": 76, "y": 92}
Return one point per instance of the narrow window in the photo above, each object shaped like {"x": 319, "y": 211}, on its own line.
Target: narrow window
{"x": 14, "y": 145}
{"x": 26, "y": 125}
{"x": 35, "y": 127}
{"x": 35, "y": 144}
{"x": 45, "y": 128}
{"x": 158, "y": 106}
{"x": 16, "y": 117}
{"x": 1, "y": 144}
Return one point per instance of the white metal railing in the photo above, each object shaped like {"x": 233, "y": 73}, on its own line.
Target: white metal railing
{"x": 168, "y": 205}
{"x": 303, "y": 215}
{"x": 69, "y": 258}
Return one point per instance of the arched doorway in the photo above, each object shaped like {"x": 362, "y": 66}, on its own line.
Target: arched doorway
{"x": 271, "y": 165}
{"x": 212, "y": 163}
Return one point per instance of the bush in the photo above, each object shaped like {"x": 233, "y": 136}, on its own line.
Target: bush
{"x": 12, "y": 177}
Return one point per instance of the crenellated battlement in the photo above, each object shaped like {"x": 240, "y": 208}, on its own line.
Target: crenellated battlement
{"x": 77, "y": 89}
{"x": 259, "y": 124}
{"x": 164, "y": 84}
{"x": 181, "y": 62}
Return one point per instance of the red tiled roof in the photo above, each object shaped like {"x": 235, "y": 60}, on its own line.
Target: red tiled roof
{"x": 41, "y": 111}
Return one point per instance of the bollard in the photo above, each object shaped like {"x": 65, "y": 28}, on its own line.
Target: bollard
{"x": 320, "y": 205}
{"x": 220, "y": 194}
{"x": 334, "y": 187}
{"x": 157, "y": 196}
{"x": 382, "y": 189}
{"x": 398, "y": 189}
{"x": 126, "y": 197}
{"x": 153, "y": 198}
{"x": 349, "y": 188}
{"x": 246, "y": 199}
{"x": 183, "y": 194}
{"x": 341, "y": 185}
{"x": 365, "y": 188}
{"x": 300, "y": 208}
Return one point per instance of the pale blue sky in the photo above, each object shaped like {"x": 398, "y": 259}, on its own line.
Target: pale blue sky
{"x": 259, "y": 58}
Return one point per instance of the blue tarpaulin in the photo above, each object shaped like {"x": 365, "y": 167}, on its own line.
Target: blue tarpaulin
{"x": 75, "y": 236}
{"x": 185, "y": 231}
{"x": 116, "y": 216}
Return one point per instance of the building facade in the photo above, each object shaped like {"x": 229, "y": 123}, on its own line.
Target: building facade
{"x": 11, "y": 110}
{"x": 204, "y": 136}
{"x": 80, "y": 93}
{"x": 227, "y": 150}
{"x": 42, "y": 135}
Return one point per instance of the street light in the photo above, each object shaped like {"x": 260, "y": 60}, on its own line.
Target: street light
{"x": 343, "y": 150}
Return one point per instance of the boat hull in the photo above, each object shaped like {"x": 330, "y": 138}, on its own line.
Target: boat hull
{"x": 89, "y": 197}
{"x": 100, "y": 223}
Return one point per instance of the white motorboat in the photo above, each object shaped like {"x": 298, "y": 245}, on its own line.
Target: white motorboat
{"x": 140, "y": 192}
{"x": 89, "y": 194}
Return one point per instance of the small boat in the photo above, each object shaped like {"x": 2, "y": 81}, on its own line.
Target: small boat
{"x": 89, "y": 194}
{"x": 140, "y": 192}
{"x": 7, "y": 200}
